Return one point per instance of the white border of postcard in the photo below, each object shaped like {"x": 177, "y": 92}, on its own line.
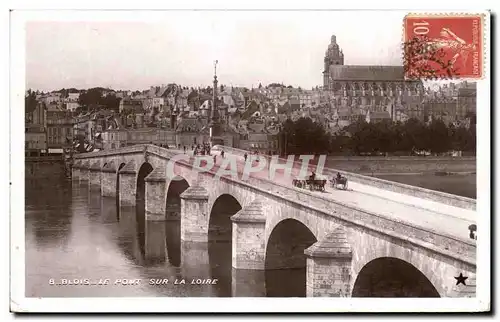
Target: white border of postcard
{"x": 20, "y": 303}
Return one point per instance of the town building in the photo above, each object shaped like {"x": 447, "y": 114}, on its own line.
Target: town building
{"x": 72, "y": 101}
{"x": 35, "y": 138}
{"x": 377, "y": 116}
{"x": 130, "y": 105}
{"x": 455, "y": 103}
{"x": 117, "y": 138}
{"x": 466, "y": 100}
{"x": 59, "y": 130}
{"x": 73, "y": 97}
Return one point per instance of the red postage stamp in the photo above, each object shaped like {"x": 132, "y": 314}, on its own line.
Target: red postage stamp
{"x": 443, "y": 46}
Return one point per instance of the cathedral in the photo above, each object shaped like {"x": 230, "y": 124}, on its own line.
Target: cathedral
{"x": 370, "y": 88}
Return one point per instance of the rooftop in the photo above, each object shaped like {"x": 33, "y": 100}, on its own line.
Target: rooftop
{"x": 367, "y": 73}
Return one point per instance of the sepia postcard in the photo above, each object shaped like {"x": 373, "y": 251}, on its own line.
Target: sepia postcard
{"x": 250, "y": 161}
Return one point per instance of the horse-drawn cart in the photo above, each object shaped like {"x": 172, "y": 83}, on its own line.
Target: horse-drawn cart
{"x": 312, "y": 184}
{"x": 336, "y": 182}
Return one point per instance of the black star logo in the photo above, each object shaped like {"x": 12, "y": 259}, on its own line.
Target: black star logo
{"x": 461, "y": 279}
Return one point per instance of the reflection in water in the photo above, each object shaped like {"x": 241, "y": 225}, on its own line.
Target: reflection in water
{"x": 74, "y": 233}
{"x": 49, "y": 229}
{"x": 285, "y": 282}
{"x": 155, "y": 242}
{"x": 248, "y": 283}
{"x": 108, "y": 210}
{"x": 173, "y": 242}
{"x": 219, "y": 254}
{"x": 140, "y": 217}
{"x": 173, "y": 220}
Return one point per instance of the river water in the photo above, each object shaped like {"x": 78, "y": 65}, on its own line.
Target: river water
{"x": 458, "y": 184}
{"x": 74, "y": 234}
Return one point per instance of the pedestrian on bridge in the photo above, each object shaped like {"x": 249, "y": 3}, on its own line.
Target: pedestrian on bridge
{"x": 245, "y": 156}
{"x": 222, "y": 154}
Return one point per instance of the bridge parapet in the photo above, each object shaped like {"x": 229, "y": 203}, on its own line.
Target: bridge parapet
{"x": 120, "y": 151}
{"x": 437, "y": 196}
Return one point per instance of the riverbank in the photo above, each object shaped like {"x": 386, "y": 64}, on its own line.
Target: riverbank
{"x": 403, "y": 165}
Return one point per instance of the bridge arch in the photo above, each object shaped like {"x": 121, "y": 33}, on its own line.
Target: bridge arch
{"x": 219, "y": 225}
{"x": 117, "y": 185}
{"x": 175, "y": 187}
{"x": 392, "y": 277}
{"x": 285, "y": 261}
{"x": 220, "y": 238}
{"x": 367, "y": 248}
{"x": 145, "y": 169}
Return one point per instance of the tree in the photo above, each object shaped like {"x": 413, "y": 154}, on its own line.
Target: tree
{"x": 111, "y": 102}
{"x": 92, "y": 96}
{"x": 415, "y": 135}
{"x": 471, "y": 116}
{"x": 440, "y": 137}
{"x": 305, "y": 136}
{"x": 462, "y": 138}
{"x": 30, "y": 101}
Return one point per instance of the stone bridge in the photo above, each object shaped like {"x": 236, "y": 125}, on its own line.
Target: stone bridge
{"x": 372, "y": 240}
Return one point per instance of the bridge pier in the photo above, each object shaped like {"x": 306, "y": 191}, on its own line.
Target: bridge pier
{"x": 75, "y": 171}
{"x": 128, "y": 184}
{"x": 95, "y": 176}
{"x": 84, "y": 172}
{"x": 249, "y": 225}
{"x": 329, "y": 263}
{"x": 155, "y": 195}
{"x": 194, "y": 214}
{"x": 108, "y": 181}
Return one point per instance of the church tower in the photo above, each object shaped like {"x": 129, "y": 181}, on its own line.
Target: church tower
{"x": 333, "y": 56}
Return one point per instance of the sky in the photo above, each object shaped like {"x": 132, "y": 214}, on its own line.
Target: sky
{"x": 136, "y": 50}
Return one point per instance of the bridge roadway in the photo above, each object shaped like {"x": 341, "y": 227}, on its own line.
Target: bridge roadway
{"x": 430, "y": 215}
